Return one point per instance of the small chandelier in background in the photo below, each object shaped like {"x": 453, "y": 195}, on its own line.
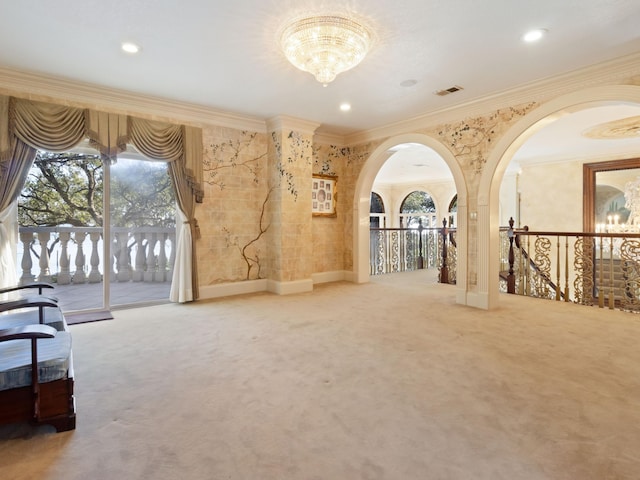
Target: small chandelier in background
{"x": 325, "y": 45}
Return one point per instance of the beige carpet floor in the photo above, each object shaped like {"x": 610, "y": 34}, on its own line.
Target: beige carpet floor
{"x": 387, "y": 380}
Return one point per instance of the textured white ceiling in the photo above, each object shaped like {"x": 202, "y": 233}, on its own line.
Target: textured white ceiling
{"x": 224, "y": 54}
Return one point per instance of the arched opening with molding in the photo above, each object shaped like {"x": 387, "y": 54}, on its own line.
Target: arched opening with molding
{"x": 362, "y": 196}
{"x": 488, "y": 212}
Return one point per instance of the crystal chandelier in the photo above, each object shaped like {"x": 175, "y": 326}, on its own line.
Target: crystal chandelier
{"x": 325, "y": 45}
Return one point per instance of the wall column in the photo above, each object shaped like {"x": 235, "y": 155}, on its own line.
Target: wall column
{"x": 290, "y": 234}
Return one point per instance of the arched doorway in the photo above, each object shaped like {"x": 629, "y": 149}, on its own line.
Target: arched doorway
{"x": 501, "y": 156}
{"x": 362, "y": 197}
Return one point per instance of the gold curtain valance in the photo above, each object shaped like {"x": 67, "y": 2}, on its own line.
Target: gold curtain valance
{"x": 107, "y": 132}
{"x": 58, "y": 128}
{"x": 45, "y": 125}
{"x": 156, "y": 140}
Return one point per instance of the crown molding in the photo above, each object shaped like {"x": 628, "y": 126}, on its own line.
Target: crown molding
{"x": 325, "y": 138}
{"x": 620, "y": 70}
{"x": 70, "y": 92}
{"x": 284, "y": 122}
{"x": 47, "y": 88}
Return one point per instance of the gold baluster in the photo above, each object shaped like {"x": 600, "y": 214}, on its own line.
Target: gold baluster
{"x": 558, "y": 268}
{"x": 521, "y": 270}
{"x": 601, "y": 285}
{"x": 566, "y": 269}
{"x": 611, "y": 277}
{"x": 528, "y": 268}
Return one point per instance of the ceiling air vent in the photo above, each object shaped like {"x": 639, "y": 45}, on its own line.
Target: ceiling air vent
{"x": 448, "y": 91}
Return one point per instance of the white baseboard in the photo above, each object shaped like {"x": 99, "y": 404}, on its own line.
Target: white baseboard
{"x": 264, "y": 285}
{"x": 328, "y": 277}
{"x": 461, "y": 297}
{"x": 478, "y": 300}
{"x": 287, "y": 288}
{"x": 234, "y": 288}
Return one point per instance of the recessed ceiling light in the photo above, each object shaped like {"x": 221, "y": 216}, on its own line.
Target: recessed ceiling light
{"x": 130, "y": 47}
{"x": 534, "y": 35}
{"x": 345, "y": 107}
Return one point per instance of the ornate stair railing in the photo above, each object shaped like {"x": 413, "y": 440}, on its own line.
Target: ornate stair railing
{"x": 404, "y": 249}
{"x": 600, "y": 269}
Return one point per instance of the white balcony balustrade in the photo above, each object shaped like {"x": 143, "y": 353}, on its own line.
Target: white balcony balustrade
{"x": 73, "y": 255}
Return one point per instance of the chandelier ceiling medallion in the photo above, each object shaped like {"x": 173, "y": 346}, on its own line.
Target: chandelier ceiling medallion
{"x": 325, "y": 45}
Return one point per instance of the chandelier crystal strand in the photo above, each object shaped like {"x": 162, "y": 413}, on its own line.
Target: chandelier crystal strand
{"x": 326, "y": 45}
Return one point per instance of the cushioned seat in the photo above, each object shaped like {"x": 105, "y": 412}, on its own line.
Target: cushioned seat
{"x": 25, "y": 316}
{"x": 54, "y": 356}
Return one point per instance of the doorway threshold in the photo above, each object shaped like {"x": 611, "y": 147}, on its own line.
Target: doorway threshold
{"x": 75, "y": 318}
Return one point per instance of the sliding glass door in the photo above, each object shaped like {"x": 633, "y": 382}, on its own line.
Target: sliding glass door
{"x": 142, "y": 231}
{"x": 97, "y": 261}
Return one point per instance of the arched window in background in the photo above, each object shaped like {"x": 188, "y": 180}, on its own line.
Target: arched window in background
{"x": 453, "y": 211}
{"x": 417, "y": 206}
{"x": 377, "y": 217}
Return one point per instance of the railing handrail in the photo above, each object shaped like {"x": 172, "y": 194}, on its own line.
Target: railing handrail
{"x": 415, "y": 229}
{"x": 590, "y": 266}
{"x": 577, "y": 234}
{"x": 95, "y": 229}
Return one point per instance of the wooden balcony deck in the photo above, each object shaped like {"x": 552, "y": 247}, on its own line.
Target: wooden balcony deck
{"x": 88, "y": 296}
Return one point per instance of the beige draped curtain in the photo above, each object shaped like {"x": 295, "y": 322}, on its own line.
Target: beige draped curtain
{"x": 181, "y": 146}
{"x": 26, "y": 126}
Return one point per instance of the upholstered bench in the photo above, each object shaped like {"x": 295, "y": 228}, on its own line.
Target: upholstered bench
{"x": 36, "y": 363}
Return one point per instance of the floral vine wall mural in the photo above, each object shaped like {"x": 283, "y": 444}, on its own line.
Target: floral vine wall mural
{"x": 250, "y": 255}
{"x": 471, "y": 140}
{"x": 231, "y": 154}
{"x": 296, "y": 156}
{"x": 327, "y": 157}
{"x": 235, "y": 206}
{"x": 241, "y": 191}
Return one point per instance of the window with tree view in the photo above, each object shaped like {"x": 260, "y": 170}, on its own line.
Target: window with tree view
{"x": 61, "y": 213}
{"x": 417, "y": 207}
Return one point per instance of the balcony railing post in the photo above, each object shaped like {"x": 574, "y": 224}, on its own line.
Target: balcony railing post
{"x": 511, "y": 278}
{"x": 138, "y": 272}
{"x": 420, "y": 252}
{"x": 64, "y": 276}
{"x": 172, "y": 255}
{"x": 444, "y": 269}
{"x": 45, "y": 273}
{"x": 124, "y": 270}
{"x": 162, "y": 259}
{"x": 94, "y": 274}
{"x": 26, "y": 263}
{"x": 79, "y": 276}
{"x": 149, "y": 274}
